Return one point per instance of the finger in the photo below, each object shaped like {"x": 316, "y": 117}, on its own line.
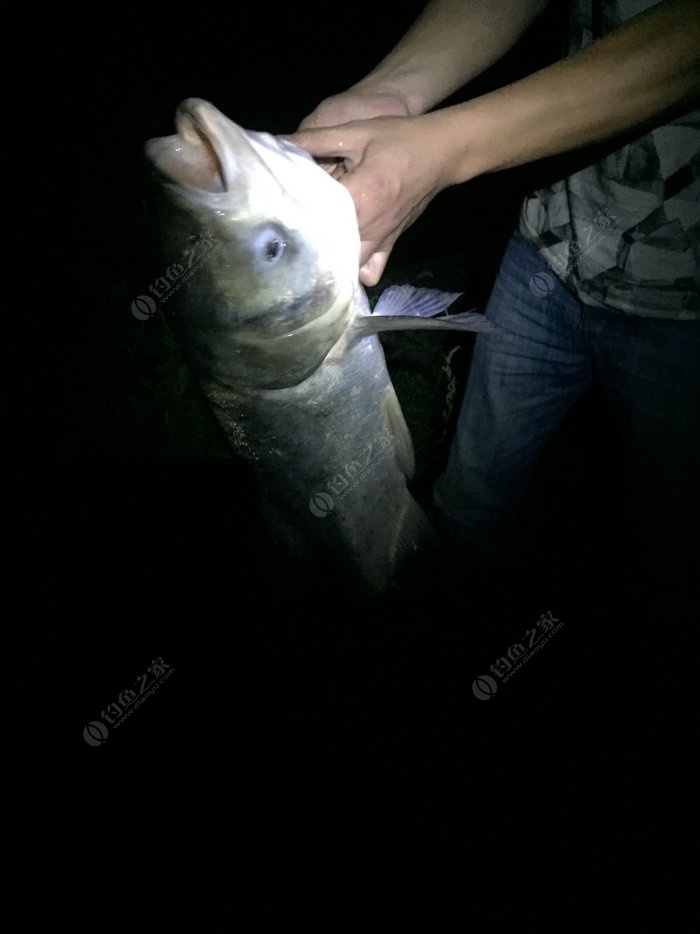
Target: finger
{"x": 334, "y": 167}
{"x": 308, "y": 123}
{"x": 329, "y": 142}
{"x": 318, "y": 119}
{"x": 371, "y": 271}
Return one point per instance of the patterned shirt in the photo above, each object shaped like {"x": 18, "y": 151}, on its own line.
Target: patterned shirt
{"x": 623, "y": 232}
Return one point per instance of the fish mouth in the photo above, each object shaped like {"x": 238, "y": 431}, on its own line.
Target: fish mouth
{"x": 197, "y": 156}
{"x": 207, "y": 151}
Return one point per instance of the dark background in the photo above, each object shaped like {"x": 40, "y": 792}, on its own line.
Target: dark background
{"x": 302, "y": 769}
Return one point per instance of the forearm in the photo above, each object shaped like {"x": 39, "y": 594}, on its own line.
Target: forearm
{"x": 452, "y": 42}
{"x": 645, "y": 70}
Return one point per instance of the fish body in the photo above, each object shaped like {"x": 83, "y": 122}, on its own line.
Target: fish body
{"x": 280, "y": 334}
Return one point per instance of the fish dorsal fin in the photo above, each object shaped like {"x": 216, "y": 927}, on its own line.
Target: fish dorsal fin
{"x": 399, "y": 431}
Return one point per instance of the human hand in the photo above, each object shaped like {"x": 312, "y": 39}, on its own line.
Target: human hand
{"x": 393, "y": 166}
{"x": 354, "y": 104}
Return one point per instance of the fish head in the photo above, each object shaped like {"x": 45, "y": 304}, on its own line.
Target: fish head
{"x": 265, "y": 250}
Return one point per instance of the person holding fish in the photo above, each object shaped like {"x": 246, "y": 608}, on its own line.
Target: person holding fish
{"x": 624, "y": 310}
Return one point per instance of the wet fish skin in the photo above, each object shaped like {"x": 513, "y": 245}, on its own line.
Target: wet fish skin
{"x": 279, "y": 332}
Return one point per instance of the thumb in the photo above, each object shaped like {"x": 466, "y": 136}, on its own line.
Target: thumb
{"x": 371, "y": 271}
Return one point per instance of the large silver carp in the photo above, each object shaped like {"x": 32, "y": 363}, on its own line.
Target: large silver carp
{"x": 279, "y": 331}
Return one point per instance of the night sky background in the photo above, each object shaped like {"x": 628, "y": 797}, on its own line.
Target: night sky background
{"x": 302, "y": 770}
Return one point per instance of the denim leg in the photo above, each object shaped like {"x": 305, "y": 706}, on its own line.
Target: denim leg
{"x": 649, "y": 370}
{"x": 523, "y": 379}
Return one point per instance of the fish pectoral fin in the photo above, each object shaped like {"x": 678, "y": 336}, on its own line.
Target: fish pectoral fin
{"x": 399, "y": 430}
{"x": 402, "y": 307}
{"x": 407, "y": 306}
{"x": 409, "y": 300}
{"x": 468, "y": 321}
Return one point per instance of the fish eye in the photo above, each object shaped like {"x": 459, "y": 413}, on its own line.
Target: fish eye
{"x": 274, "y": 249}
{"x": 270, "y": 243}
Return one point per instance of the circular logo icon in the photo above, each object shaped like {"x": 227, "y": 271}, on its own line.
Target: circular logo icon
{"x": 484, "y": 687}
{"x": 95, "y": 733}
{"x": 541, "y": 284}
{"x": 321, "y": 505}
{"x": 143, "y": 307}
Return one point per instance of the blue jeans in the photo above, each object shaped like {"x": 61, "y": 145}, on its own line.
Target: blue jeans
{"x": 526, "y": 376}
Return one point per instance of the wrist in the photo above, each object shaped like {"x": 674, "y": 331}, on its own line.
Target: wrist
{"x": 462, "y": 142}
{"x": 393, "y": 86}
{"x": 496, "y": 131}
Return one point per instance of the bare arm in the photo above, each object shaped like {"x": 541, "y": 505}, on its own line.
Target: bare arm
{"x": 634, "y": 77}
{"x": 450, "y": 43}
